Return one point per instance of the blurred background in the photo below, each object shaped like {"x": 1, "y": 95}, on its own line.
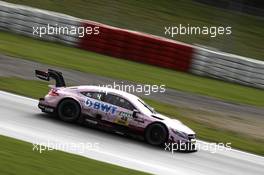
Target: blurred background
{"x": 150, "y": 16}
{"x": 216, "y": 88}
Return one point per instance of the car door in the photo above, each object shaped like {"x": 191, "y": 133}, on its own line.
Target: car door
{"x": 123, "y": 112}
{"x": 92, "y": 103}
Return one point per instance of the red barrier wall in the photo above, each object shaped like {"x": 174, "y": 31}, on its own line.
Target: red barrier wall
{"x": 138, "y": 47}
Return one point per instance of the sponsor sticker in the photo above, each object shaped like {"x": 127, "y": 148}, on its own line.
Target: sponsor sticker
{"x": 100, "y": 106}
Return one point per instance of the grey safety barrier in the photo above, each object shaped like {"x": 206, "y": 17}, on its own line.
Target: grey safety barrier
{"x": 21, "y": 20}
{"x": 228, "y": 67}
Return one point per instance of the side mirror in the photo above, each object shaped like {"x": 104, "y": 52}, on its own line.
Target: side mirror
{"x": 135, "y": 112}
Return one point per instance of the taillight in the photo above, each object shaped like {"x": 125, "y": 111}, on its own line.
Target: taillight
{"x": 53, "y": 92}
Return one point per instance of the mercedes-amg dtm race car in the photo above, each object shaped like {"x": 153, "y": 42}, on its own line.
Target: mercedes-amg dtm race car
{"x": 116, "y": 110}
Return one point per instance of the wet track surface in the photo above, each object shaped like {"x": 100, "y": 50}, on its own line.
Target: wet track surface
{"x": 20, "y": 118}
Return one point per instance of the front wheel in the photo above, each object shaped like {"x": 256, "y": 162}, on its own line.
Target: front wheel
{"x": 69, "y": 110}
{"x": 156, "y": 134}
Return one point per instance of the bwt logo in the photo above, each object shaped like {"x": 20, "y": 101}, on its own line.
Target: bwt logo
{"x": 100, "y": 106}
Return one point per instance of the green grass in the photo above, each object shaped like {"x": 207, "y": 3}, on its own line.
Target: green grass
{"x": 73, "y": 58}
{"x": 152, "y": 16}
{"x": 30, "y": 88}
{"x": 18, "y": 157}
{"x": 206, "y": 132}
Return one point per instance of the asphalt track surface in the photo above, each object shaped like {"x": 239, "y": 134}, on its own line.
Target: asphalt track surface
{"x": 20, "y": 118}
{"x": 9, "y": 67}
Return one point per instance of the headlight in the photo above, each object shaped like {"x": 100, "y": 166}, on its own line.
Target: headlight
{"x": 179, "y": 133}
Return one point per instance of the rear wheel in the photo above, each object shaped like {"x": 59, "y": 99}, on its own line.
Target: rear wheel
{"x": 156, "y": 134}
{"x": 69, "y": 110}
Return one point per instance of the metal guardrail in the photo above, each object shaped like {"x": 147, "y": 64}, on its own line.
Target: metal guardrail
{"x": 21, "y": 19}
{"x": 228, "y": 67}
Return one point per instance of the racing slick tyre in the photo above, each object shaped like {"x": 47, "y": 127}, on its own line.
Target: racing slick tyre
{"x": 69, "y": 110}
{"x": 156, "y": 134}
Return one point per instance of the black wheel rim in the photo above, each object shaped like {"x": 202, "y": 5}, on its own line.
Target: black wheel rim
{"x": 68, "y": 110}
{"x": 157, "y": 135}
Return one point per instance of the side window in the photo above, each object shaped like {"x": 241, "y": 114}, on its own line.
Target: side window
{"x": 94, "y": 95}
{"x": 118, "y": 101}
{"x": 112, "y": 99}
{"x": 125, "y": 104}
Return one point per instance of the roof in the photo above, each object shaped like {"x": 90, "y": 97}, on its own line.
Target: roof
{"x": 109, "y": 90}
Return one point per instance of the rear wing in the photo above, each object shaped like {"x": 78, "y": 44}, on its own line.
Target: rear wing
{"x": 51, "y": 74}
